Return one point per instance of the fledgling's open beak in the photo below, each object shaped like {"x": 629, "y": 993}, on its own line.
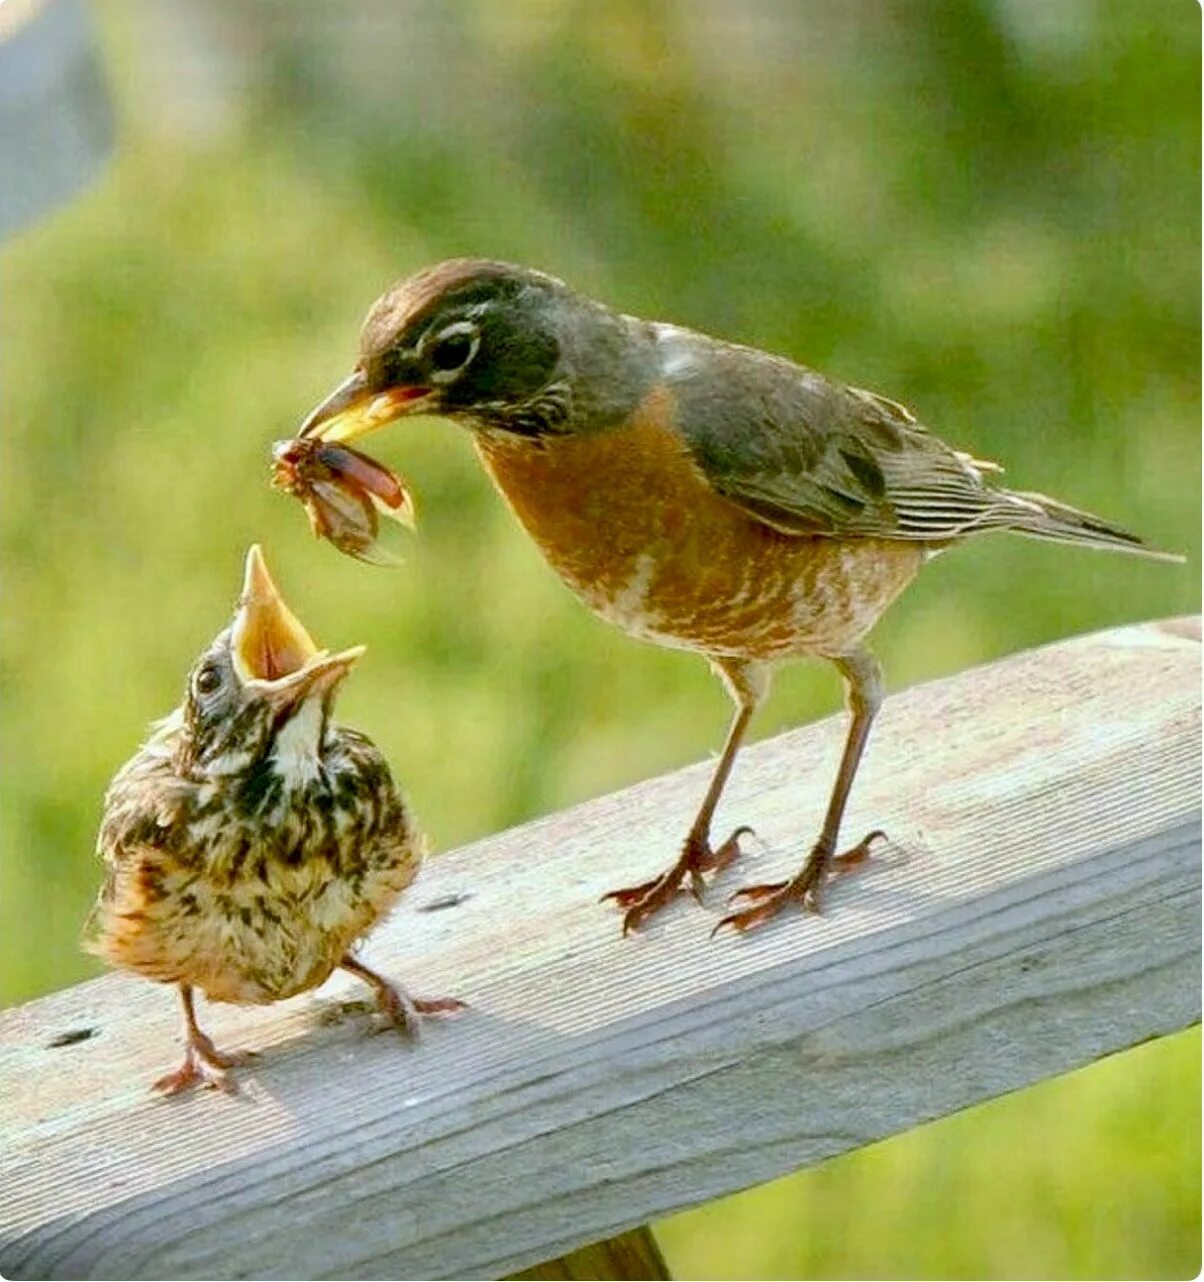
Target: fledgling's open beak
{"x": 354, "y": 409}
{"x": 273, "y": 653}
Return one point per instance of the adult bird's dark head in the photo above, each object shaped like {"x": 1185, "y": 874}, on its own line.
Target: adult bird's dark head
{"x": 491, "y": 344}
{"x": 262, "y": 691}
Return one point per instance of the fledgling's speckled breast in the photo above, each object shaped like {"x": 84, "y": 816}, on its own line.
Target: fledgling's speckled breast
{"x": 247, "y": 908}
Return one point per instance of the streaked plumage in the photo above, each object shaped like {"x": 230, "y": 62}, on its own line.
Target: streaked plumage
{"x": 251, "y": 842}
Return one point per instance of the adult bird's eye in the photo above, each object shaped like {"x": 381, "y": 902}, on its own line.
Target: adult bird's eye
{"x": 208, "y": 680}
{"x": 453, "y": 349}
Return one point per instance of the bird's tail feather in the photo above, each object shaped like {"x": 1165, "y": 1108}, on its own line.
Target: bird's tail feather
{"x": 1046, "y": 518}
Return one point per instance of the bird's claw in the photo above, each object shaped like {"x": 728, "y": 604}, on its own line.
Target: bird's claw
{"x": 697, "y": 857}
{"x": 404, "y": 1013}
{"x": 630, "y": 895}
{"x": 717, "y": 860}
{"x": 806, "y": 889}
{"x": 656, "y": 894}
{"x": 204, "y": 1065}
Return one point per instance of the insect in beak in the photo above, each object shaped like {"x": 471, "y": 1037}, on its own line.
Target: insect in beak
{"x": 345, "y": 494}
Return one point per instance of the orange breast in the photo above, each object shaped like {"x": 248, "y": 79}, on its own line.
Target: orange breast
{"x": 631, "y": 525}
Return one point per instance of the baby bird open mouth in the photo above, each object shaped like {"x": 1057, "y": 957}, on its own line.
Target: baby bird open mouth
{"x": 271, "y": 648}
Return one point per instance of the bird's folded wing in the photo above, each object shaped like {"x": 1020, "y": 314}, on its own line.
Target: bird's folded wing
{"x": 835, "y": 460}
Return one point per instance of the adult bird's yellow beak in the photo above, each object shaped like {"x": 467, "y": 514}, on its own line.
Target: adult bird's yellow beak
{"x": 354, "y": 409}
{"x": 272, "y": 649}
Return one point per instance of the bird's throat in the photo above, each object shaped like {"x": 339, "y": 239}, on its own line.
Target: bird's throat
{"x": 296, "y": 753}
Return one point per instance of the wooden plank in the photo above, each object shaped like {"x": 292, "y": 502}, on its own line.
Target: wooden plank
{"x": 1038, "y": 908}
{"x": 633, "y": 1254}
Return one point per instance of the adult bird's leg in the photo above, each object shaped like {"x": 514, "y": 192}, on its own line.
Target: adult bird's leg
{"x": 203, "y": 1062}
{"x": 863, "y": 683}
{"x": 746, "y": 683}
{"x": 400, "y": 1009}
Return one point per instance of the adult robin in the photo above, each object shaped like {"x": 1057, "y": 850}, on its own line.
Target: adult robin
{"x": 251, "y": 842}
{"x": 699, "y": 494}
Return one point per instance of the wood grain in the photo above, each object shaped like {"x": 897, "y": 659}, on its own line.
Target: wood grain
{"x": 1038, "y": 908}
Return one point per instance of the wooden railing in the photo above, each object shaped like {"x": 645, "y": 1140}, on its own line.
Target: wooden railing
{"x": 1036, "y": 908}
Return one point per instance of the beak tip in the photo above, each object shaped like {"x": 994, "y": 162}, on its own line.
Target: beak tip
{"x": 312, "y": 420}
{"x": 257, "y": 580}
{"x": 351, "y": 389}
{"x": 345, "y": 660}
{"x": 329, "y": 671}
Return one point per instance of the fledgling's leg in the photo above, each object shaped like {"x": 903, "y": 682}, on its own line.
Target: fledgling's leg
{"x": 863, "y": 683}
{"x": 747, "y": 683}
{"x": 203, "y": 1063}
{"x": 400, "y": 1009}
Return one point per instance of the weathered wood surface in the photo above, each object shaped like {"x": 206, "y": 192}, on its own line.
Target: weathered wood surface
{"x": 1039, "y": 908}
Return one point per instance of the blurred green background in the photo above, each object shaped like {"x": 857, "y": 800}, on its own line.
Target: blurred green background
{"x": 988, "y": 210}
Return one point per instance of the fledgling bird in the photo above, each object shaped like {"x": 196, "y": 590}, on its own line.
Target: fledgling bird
{"x": 696, "y": 493}
{"x": 251, "y": 842}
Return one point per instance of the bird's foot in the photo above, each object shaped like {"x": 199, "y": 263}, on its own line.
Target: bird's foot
{"x": 204, "y": 1065}
{"x": 399, "y": 1009}
{"x": 805, "y": 889}
{"x": 697, "y": 857}
{"x": 404, "y": 1012}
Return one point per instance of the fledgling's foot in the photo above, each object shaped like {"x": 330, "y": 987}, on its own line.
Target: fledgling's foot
{"x": 399, "y": 1009}
{"x": 405, "y": 1013}
{"x": 805, "y": 889}
{"x": 204, "y": 1065}
{"x": 697, "y": 857}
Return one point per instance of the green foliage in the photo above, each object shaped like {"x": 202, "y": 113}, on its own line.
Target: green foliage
{"x": 988, "y": 211}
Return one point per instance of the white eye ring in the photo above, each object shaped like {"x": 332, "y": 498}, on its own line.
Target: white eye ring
{"x": 455, "y": 330}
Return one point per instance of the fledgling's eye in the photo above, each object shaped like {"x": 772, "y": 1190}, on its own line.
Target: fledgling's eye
{"x": 453, "y": 348}
{"x": 208, "y": 679}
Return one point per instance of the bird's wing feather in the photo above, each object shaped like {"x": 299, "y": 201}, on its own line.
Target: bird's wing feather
{"x": 145, "y": 798}
{"x": 808, "y": 455}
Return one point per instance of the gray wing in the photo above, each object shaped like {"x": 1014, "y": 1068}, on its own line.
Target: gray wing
{"x": 849, "y": 462}
{"x": 812, "y": 456}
